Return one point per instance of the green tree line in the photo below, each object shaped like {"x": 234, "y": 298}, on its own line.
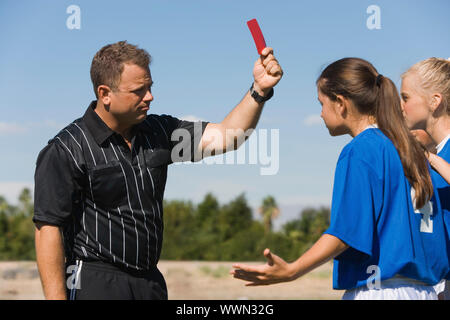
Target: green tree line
{"x": 230, "y": 232}
{"x": 204, "y": 231}
{"x": 17, "y": 229}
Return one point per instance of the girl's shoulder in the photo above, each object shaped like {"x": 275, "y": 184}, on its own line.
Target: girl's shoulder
{"x": 373, "y": 152}
{"x": 369, "y": 146}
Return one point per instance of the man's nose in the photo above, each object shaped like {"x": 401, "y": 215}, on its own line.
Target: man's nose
{"x": 148, "y": 96}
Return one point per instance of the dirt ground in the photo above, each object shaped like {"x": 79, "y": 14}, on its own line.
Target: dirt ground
{"x": 187, "y": 280}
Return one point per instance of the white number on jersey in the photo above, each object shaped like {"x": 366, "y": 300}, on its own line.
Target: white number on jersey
{"x": 426, "y": 224}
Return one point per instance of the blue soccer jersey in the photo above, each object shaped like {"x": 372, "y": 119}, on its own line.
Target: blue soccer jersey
{"x": 443, "y": 188}
{"x": 372, "y": 212}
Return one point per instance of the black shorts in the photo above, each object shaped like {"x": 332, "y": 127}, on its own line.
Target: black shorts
{"x": 103, "y": 281}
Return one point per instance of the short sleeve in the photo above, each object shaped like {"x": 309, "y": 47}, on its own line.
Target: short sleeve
{"x": 54, "y": 186}
{"x": 184, "y": 138}
{"x": 353, "y": 211}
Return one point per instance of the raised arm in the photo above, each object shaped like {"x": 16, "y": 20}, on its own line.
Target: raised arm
{"x": 232, "y": 131}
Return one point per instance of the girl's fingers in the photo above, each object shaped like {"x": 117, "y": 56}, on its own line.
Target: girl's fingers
{"x": 246, "y": 276}
{"x": 240, "y": 272}
{"x": 246, "y": 268}
{"x": 269, "y": 257}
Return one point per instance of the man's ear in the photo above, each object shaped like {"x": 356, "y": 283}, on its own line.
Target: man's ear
{"x": 104, "y": 94}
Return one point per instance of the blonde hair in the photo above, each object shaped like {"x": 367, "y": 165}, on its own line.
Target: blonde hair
{"x": 434, "y": 76}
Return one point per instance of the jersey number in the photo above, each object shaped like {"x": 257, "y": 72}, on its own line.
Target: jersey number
{"x": 426, "y": 224}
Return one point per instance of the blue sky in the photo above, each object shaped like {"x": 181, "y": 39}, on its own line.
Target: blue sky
{"x": 203, "y": 56}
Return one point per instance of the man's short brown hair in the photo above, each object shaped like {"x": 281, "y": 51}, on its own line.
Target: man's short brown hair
{"x": 108, "y": 62}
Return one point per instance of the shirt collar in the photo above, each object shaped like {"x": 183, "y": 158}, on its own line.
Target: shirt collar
{"x": 371, "y": 126}
{"x": 100, "y": 130}
{"x": 441, "y": 144}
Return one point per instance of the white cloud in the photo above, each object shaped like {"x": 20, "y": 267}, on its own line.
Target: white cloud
{"x": 12, "y": 189}
{"x": 52, "y": 124}
{"x": 11, "y": 128}
{"x": 313, "y": 120}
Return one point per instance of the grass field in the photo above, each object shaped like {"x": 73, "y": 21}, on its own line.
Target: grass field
{"x": 187, "y": 280}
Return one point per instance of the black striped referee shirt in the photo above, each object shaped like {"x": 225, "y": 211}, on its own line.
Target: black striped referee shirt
{"x": 108, "y": 198}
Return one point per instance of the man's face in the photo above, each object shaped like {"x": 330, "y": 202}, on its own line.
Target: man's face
{"x": 131, "y": 100}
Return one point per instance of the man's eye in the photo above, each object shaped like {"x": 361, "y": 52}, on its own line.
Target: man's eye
{"x": 139, "y": 91}
{"x": 143, "y": 90}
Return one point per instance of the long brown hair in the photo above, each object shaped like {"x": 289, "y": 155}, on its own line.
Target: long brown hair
{"x": 376, "y": 95}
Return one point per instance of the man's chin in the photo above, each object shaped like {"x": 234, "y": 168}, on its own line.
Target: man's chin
{"x": 137, "y": 119}
{"x": 141, "y": 117}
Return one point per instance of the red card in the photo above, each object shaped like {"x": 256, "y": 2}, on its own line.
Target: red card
{"x": 257, "y": 35}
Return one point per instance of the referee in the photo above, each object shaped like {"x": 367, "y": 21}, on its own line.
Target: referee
{"x": 99, "y": 183}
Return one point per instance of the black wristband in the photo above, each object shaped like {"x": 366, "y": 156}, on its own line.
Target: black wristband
{"x": 258, "y": 98}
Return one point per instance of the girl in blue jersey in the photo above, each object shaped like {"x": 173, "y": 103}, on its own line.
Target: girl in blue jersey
{"x": 387, "y": 233}
{"x": 425, "y": 96}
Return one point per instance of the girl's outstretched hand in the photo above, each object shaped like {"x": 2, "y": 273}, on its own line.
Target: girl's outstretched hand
{"x": 276, "y": 270}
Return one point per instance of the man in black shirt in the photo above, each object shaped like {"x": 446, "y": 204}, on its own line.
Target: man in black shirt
{"x": 99, "y": 184}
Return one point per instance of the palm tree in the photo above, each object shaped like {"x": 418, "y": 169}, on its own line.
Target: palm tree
{"x": 269, "y": 211}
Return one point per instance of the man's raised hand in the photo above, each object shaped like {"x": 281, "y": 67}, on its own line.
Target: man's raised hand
{"x": 267, "y": 72}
